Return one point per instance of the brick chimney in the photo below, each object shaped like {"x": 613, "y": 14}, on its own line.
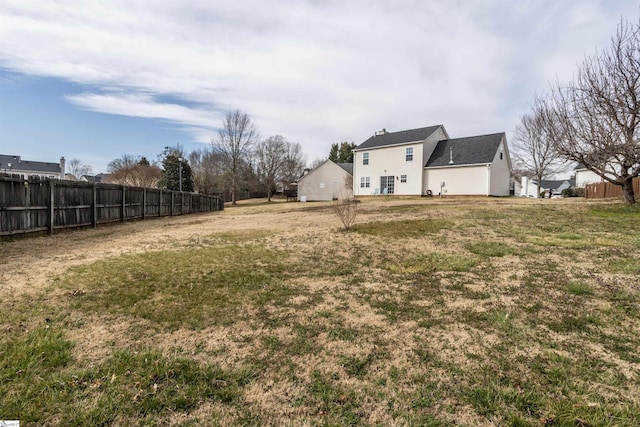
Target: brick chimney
{"x": 62, "y": 168}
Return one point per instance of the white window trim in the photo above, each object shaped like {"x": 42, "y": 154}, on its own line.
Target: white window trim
{"x": 408, "y": 151}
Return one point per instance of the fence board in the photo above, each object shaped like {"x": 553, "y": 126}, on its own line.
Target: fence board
{"x": 41, "y": 204}
{"x": 607, "y": 190}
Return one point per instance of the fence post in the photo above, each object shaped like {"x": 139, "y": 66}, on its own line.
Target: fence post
{"x": 172, "y": 197}
{"x": 94, "y": 214}
{"x": 144, "y": 203}
{"x": 160, "y": 202}
{"x": 124, "y": 190}
{"x": 51, "y": 206}
{"x": 27, "y": 203}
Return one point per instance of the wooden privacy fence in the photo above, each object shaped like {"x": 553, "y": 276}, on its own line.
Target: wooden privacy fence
{"x": 41, "y": 204}
{"x": 605, "y": 190}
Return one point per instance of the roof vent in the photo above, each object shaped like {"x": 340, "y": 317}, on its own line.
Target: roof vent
{"x": 382, "y": 132}
{"x": 450, "y": 155}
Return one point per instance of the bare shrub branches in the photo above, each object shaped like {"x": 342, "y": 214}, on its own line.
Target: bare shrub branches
{"x": 347, "y": 210}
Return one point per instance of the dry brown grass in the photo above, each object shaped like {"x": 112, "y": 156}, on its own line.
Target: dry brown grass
{"x": 368, "y": 335}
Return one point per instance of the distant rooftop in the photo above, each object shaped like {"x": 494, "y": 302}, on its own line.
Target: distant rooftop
{"x": 17, "y": 164}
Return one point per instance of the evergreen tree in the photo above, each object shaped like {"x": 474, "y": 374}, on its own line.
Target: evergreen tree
{"x": 174, "y": 162}
{"x": 342, "y": 152}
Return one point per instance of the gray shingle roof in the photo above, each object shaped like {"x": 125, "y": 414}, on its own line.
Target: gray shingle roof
{"x": 348, "y": 167}
{"x": 466, "y": 151}
{"x": 17, "y": 164}
{"x": 401, "y": 137}
{"x": 556, "y": 183}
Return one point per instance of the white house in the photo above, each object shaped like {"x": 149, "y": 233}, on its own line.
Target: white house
{"x": 585, "y": 176}
{"x": 26, "y": 168}
{"x": 328, "y": 181}
{"x": 548, "y": 186}
{"x": 426, "y": 161}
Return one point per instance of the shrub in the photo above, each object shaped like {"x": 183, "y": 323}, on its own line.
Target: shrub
{"x": 347, "y": 211}
{"x": 573, "y": 192}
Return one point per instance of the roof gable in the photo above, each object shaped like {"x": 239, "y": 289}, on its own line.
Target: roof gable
{"x": 466, "y": 151}
{"x": 328, "y": 163}
{"x": 395, "y": 138}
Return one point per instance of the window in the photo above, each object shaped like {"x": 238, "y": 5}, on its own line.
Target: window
{"x": 365, "y": 158}
{"x": 403, "y": 178}
{"x": 365, "y": 182}
{"x": 409, "y": 154}
{"x": 322, "y": 185}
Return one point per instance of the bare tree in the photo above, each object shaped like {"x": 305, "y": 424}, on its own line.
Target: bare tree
{"x": 595, "y": 120}
{"x": 294, "y": 164}
{"x": 207, "y": 169}
{"x": 270, "y": 157}
{"x": 235, "y": 143}
{"x": 122, "y": 162}
{"x": 78, "y": 169}
{"x": 135, "y": 171}
{"x": 533, "y": 149}
{"x": 317, "y": 162}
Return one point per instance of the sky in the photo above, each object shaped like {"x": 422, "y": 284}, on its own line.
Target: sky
{"x": 95, "y": 80}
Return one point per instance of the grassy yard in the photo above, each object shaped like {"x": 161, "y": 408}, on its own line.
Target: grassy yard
{"x": 475, "y": 312}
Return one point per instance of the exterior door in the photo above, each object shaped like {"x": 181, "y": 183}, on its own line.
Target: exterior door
{"x": 386, "y": 184}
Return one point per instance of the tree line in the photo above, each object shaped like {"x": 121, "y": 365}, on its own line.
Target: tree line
{"x": 593, "y": 120}
{"x": 236, "y": 160}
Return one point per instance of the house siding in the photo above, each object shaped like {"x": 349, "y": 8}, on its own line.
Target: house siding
{"x": 431, "y": 142}
{"x": 500, "y": 172}
{"x": 459, "y": 181}
{"x": 585, "y": 176}
{"x": 390, "y": 161}
{"x": 24, "y": 173}
{"x": 324, "y": 183}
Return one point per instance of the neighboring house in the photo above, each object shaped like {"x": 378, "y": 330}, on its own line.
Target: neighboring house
{"x": 585, "y": 176}
{"x": 556, "y": 185}
{"x": 426, "y": 161}
{"x": 529, "y": 187}
{"x": 101, "y": 177}
{"x": 328, "y": 181}
{"x": 26, "y": 168}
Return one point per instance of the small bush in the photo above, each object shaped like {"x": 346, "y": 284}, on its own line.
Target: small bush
{"x": 573, "y": 192}
{"x": 347, "y": 210}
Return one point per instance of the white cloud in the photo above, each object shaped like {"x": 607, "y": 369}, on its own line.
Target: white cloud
{"x": 315, "y": 72}
{"x": 138, "y": 105}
